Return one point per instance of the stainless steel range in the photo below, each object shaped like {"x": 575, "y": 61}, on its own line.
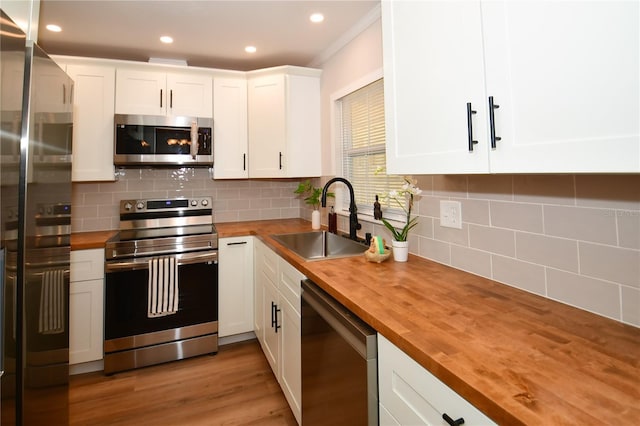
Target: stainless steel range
{"x": 161, "y": 287}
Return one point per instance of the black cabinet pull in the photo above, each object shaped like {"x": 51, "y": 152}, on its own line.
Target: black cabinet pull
{"x": 238, "y": 243}
{"x": 452, "y": 422}
{"x": 280, "y": 159}
{"x": 171, "y": 98}
{"x": 470, "y": 112}
{"x": 160, "y": 98}
{"x": 273, "y": 314}
{"x": 244, "y": 161}
{"x": 492, "y": 122}
{"x": 64, "y": 94}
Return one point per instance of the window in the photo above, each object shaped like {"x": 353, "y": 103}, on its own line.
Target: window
{"x": 363, "y": 147}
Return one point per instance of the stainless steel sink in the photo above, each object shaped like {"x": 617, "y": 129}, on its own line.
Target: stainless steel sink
{"x": 319, "y": 245}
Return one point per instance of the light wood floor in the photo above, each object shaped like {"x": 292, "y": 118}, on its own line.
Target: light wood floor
{"x": 234, "y": 387}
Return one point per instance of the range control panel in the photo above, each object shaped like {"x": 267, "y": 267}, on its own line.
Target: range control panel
{"x": 166, "y": 205}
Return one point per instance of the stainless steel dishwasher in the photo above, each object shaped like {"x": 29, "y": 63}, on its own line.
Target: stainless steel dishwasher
{"x": 339, "y": 363}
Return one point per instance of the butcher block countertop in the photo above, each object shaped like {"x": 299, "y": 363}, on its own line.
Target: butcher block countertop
{"x": 90, "y": 240}
{"x": 518, "y": 357}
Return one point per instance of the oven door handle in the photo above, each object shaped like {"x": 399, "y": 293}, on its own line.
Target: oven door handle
{"x": 143, "y": 263}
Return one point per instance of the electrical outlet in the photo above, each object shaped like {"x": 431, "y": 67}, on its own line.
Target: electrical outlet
{"x": 451, "y": 214}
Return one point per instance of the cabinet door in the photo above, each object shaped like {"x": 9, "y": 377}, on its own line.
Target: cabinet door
{"x": 86, "y": 321}
{"x": 272, "y": 326}
{"x": 140, "y": 92}
{"x": 230, "y": 142}
{"x": 267, "y": 126}
{"x": 565, "y": 74}
{"x": 93, "y": 108}
{"x": 189, "y": 95}
{"x": 433, "y": 67}
{"x": 52, "y": 91}
{"x": 290, "y": 357}
{"x": 411, "y": 395}
{"x": 235, "y": 308}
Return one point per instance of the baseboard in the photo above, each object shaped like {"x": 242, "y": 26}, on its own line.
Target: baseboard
{"x": 227, "y": 340}
{"x": 86, "y": 367}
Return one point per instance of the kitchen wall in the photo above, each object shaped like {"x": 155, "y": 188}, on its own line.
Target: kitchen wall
{"x": 95, "y": 205}
{"x": 570, "y": 238}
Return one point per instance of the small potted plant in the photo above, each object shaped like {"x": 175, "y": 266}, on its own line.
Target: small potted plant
{"x": 403, "y": 198}
{"x": 312, "y": 197}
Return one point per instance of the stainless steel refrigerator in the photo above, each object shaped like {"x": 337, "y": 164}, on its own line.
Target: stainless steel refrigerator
{"x": 35, "y": 210}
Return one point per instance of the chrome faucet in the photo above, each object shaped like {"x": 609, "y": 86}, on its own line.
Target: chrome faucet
{"x": 353, "y": 210}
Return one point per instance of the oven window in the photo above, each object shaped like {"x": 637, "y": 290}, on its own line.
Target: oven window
{"x": 126, "y": 301}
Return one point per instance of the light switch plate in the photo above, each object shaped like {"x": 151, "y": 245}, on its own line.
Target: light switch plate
{"x": 451, "y": 214}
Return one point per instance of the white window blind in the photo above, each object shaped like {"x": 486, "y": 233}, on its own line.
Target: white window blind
{"x": 363, "y": 146}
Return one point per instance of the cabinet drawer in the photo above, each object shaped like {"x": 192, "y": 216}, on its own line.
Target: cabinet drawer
{"x": 87, "y": 265}
{"x": 289, "y": 285}
{"x": 412, "y": 395}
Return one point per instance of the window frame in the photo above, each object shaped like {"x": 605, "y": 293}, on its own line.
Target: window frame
{"x": 341, "y": 193}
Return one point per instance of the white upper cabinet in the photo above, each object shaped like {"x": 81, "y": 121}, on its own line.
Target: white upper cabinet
{"x": 160, "y": 93}
{"x": 284, "y": 122}
{"x": 230, "y": 142}
{"x": 433, "y": 67}
{"x": 93, "y": 106}
{"x": 563, "y": 76}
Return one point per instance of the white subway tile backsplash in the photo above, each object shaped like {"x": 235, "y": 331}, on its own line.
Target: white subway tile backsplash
{"x": 475, "y": 211}
{"x": 577, "y": 237}
{"x": 435, "y": 250}
{"x": 608, "y": 191}
{"x": 491, "y": 187}
{"x": 579, "y": 223}
{"x": 517, "y": 216}
{"x": 451, "y": 235}
{"x": 593, "y": 295}
{"x": 631, "y": 305}
{"x": 544, "y": 189}
{"x": 549, "y": 251}
{"x": 477, "y": 262}
{"x": 610, "y": 263}
{"x": 628, "y": 228}
{"x": 492, "y": 240}
{"x": 523, "y": 275}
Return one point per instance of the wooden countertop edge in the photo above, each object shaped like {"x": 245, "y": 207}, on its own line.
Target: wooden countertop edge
{"x": 90, "y": 240}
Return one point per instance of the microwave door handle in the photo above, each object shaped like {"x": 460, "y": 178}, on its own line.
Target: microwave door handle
{"x": 194, "y": 139}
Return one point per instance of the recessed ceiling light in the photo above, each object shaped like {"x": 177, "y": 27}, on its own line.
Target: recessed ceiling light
{"x": 316, "y": 17}
{"x": 250, "y": 49}
{"x": 54, "y": 28}
{"x": 166, "y": 39}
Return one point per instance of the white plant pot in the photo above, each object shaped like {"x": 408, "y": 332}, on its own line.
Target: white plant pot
{"x": 315, "y": 219}
{"x": 400, "y": 250}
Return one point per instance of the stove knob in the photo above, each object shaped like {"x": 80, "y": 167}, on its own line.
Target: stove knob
{"x": 49, "y": 210}
{"x": 205, "y": 203}
{"x": 140, "y": 205}
{"x": 128, "y": 206}
{"x": 194, "y": 203}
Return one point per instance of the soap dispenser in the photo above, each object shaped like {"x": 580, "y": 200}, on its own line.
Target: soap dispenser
{"x": 333, "y": 221}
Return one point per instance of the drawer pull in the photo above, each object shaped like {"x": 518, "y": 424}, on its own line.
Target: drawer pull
{"x": 452, "y": 422}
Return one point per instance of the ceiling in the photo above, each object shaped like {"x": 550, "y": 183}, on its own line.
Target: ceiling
{"x": 206, "y": 33}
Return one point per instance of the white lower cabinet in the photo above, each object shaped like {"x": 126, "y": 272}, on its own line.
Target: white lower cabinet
{"x": 86, "y": 306}
{"x": 235, "y": 286}
{"x": 411, "y": 395}
{"x": 277, "y": 321}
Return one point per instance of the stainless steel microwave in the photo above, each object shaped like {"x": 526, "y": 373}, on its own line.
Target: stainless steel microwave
{"x": 165, "y": 141}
